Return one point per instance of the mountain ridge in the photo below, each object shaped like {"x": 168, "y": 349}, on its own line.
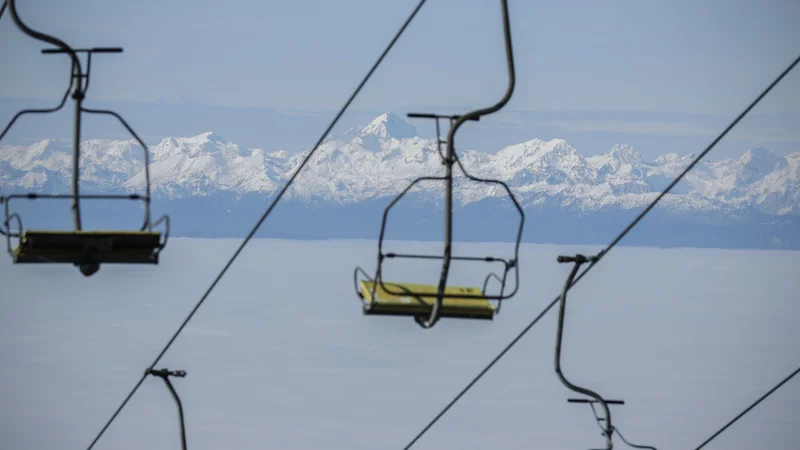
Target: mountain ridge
{"x": 381, "y": 158}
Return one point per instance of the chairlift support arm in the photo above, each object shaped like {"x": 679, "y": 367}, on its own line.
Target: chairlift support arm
{"x": 577, "y": 261}
{"x": 449, "y": 159}
{"x": 164, "y": 374}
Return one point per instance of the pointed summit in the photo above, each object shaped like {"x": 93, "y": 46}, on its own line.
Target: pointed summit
{"x": 762, "y": 160}
{"x": 389, "y": 125}
{"x": 208, "y": 136}
{"x": 755, "y": 164}
{"x": 625, "y": 158}
{"x": 194, "y": 146}
{"x": 666, "y": 158}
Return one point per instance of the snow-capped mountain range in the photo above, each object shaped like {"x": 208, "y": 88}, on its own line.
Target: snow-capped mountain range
{"x": 383, "y": 157}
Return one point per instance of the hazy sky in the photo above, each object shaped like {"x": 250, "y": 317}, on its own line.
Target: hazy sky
{"x": 678, "y": 56}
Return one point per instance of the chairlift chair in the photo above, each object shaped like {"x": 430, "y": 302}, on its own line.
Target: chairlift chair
{"x": 83, "y": 248}
{"x": 428, "y": 303}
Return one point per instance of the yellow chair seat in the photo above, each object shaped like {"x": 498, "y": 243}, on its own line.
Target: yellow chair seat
{"x": 386, "y": 303}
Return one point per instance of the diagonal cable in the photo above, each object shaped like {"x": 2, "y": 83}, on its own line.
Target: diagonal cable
{"x": 767, "y": 394}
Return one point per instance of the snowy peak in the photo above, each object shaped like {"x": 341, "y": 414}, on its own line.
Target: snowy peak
{"x": 42, "y": 154}
{"x": 389, "y": 125}
{"x": 537, "y": 154}
{"x": 739, "y": 173}
{"x": 623, "y": 169}
{"x": 673, "y": 159}
{"x": 537, "y": 161}
{"x": 622, "y": 159}
{"x": 626, "y": 158}
{"x": 206, "y": 143}
{"x": 759, "y": 162}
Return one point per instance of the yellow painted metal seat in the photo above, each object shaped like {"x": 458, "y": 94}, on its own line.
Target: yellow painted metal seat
{"x": 388, "y": 303}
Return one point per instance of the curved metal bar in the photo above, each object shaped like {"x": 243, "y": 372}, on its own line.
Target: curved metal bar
{"x": 472, "y": 115}
{"x": 633, "y": 445}
{"x": 559, "y": 335}
{"x": 2, "y": 198}
{"x": 11, "y": 234}
{"x": 486, "y": 281}
{"x": 505, "y": 186}
{"x": 616, "y": 430}
{"x": 355, "y": 281}
{"x": 597, "y": 419}
{"x": 514, "y": 261}
{"x": 394, "y": 202}
{"x": 88, "y": 72}
{"x": 502, "y": 285}
{"x": 180, "y": 412}
{"x": 39, "y": 111}
{"x": 146, "y": 157}
{"x": 510, "y": 194}
{"x": 18, "y": 233}
{"x": 8, "y": 243}
{"x": 12, "y": 9}
{"x": 165, "y": 219}
{"x": 439, "y": 142}
{"x": 434, "y": 317}
{"x": 2, "y": 9}
{"x": 381, "y": 255}
{"x": 383, "y": 229}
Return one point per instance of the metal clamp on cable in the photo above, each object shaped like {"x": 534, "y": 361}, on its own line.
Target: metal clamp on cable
{"x": 578, "y": 259}
{"x": 164, "y": 374}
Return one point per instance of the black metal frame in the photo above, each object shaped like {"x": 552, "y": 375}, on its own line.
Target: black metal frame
{"x": 164, "y": 374}
{"x": 607, "y": 430}
{"x": 80, "y": 81}
{"x": 9, "y": 233}
{"x": 448, "y": 159}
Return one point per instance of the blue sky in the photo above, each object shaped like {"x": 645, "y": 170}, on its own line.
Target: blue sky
{"x": 687, "y": 58}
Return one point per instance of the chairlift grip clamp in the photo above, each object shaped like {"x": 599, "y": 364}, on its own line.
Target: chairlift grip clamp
{"x": 578, "y": 259}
